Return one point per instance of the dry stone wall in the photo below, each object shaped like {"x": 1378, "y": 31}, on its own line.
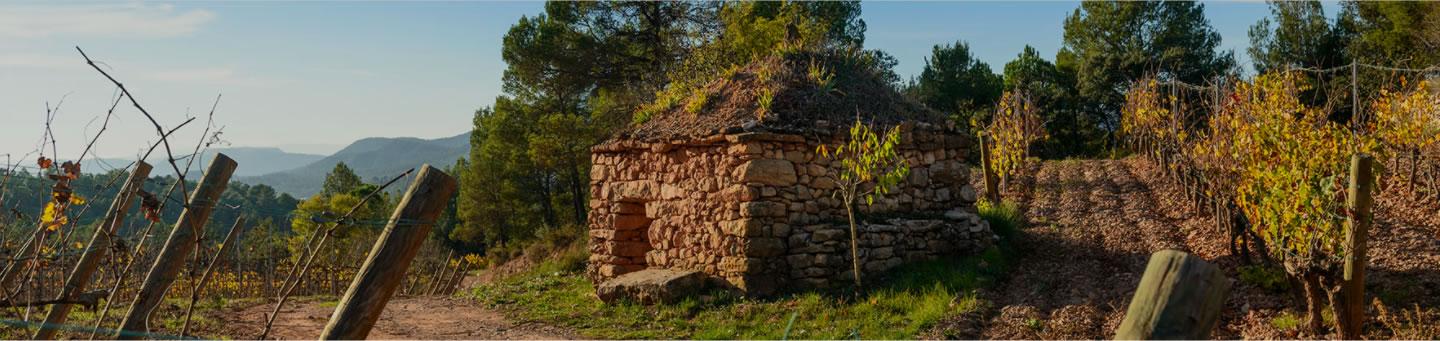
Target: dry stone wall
{"x": 756, "y": 211}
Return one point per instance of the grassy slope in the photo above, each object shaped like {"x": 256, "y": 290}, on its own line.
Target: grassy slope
{"x": 899, "y": 304}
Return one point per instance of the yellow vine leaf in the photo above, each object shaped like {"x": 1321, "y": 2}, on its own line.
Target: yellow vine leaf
{"x": 53, "y": 218}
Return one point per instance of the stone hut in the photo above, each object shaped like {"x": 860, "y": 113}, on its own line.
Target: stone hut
{"x": 732, "y": 187}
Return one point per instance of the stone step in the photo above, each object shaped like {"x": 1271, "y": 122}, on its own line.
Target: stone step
{"x": 652, "y": 286}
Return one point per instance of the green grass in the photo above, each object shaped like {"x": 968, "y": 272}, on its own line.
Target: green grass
{"x": 1271, "y": 279}
{"x": 1005, "y": 219}
{"x": 899, "y": 304}
{"x": 1287, "y": 321}
{"x": 1292, "y": 321}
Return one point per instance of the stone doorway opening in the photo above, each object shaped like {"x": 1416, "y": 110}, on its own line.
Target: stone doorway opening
{"x": 632, "y": 237}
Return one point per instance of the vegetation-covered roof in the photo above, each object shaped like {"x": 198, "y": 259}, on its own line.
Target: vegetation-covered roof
{"x": 786, "y": 92}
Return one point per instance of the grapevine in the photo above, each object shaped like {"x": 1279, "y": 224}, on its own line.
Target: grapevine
{"x": 1015, "y": 126}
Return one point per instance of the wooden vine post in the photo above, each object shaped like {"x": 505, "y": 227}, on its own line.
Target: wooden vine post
{"x": 180, "y": 244}
{"x": 100, "y": 244}
{"x": 992, "y": 186}
{"x": 1351, "y": 310}
{"x": 385, "y": 267}
{"x": 1179, "y": 297}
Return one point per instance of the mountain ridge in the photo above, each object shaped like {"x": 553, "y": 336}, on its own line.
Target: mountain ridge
{"x": 371, "y": 158}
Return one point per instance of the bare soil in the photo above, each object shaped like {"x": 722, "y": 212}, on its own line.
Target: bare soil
{"x": 419, "y": 317}
{"x": 1094, "y": 223}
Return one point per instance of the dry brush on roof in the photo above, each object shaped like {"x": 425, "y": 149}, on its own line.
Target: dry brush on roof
{"x": 781, "y": 93}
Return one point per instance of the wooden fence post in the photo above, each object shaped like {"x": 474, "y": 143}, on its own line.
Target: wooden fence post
{"x": 100, "y": 244}
{"x": 180, "y": 244}
{"x": 1351, "y": 308}
{"x": 1179, "y": 297}
{"x": 385, "y": 267}
{"x": 992, "y": 186}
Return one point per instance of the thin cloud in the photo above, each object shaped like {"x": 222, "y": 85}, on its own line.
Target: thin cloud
{"x": 216, "y": 74}
{"x": 34, "y": 61}
{"x": 104, "y": 20}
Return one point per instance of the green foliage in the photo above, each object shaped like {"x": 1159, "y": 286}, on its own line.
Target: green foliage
{"x": 26, "y": 195}
{"x": 766, "y": 98}
{"x": 1296, "y": 35}
{"x": 1052, "y": 94}
{"x": 866, "y": 159}
{"x": 822, "y": 76}
{"x": 341, "y": 179}
{"x": 751, "y": 30}
{"x": 1404, "y": 34}
{"x": 1013, "y": 129}
{"x": 1268, "y": 278}
{"x": 1107, "y": 44}
{"x": 697, "y": 101}
{"x": 956, "y": 83}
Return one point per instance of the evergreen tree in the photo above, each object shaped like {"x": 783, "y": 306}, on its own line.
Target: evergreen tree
{"x": 341, "y": 179}
{"x": 1071, "y": 133}
{"x": 956, "y": 83}
{"x": 1108, "y": 44}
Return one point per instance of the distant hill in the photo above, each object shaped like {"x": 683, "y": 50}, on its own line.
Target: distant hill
{"x": 253, "y": 161}
{"x": 371, "y": 158}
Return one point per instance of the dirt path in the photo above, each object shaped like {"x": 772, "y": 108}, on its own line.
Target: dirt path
{"x": 426, "y": 318}
{"x": 1094, "y": 223}
{"x": 1092, "y": 226}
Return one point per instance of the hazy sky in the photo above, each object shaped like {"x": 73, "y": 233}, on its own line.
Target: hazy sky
{"x": 314, "y": 76}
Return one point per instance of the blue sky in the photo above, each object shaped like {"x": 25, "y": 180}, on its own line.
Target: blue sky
{"x": 314, "y": 76}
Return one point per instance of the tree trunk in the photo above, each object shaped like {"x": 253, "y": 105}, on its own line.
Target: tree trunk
{"x": 577, "y": 194}
{"x": 1414, "y": 167}
{"x": 1314, "y": 303}
{"x": 987, "y": 167}
{"x": 854, "y": 242}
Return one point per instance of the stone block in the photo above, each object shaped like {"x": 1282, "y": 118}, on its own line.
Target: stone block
{"x": 630, "y": 221}
{"x": 800, "y": 260}
{"x": 771, "y": 172}
{"x": 826, "y": 235}
{"x": 762, "y": 209}
{"x": 628, "y": 208}
{"x": 742, "y": 228}
{"x": 651, "y": 286}
{"x": 765, "y": 247}
{"x": 635, "y": 190}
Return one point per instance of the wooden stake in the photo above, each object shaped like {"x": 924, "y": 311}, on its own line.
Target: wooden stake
{"x": 100, "y": 244}
{"x": 1351, "y": 314}
{"x": 1179, "y": 297}
{"x": 383, "y": 270}
{"x": 180, "y": 244}
{"x": 992, "y": 186}
{"x": 444, "y": 269}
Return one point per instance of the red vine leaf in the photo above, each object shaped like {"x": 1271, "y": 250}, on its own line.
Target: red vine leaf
{"x": 71, "y": 169}
{"x": 149, "y": 205}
